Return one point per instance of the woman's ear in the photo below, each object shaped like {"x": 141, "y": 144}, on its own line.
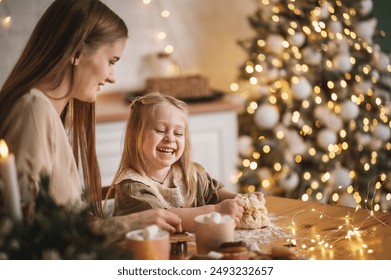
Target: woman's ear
{"x": 75, "y": 61}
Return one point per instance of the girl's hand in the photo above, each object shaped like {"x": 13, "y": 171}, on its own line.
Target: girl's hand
{"x": 231, "y": 207}
{"x": 260, "y": 195}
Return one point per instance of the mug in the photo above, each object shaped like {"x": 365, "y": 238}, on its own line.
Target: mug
{"x": 209, "y": 236}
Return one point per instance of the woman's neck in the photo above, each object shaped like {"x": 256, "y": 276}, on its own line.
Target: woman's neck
{"x": 55, "y": 96}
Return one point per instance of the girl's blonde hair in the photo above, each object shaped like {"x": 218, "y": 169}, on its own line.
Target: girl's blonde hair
{"x": 142, "y": 111}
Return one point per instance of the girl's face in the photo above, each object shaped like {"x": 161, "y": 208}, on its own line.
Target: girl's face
{"x": 164, "y": 138}
{"x": 94, "y": 70}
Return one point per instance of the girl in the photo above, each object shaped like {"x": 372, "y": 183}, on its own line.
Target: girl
{"x": 156, "y": 171}
{"x": 68, "y": 58}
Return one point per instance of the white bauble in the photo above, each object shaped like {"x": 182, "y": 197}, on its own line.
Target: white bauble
{"x": 363, "y": 86}
{"x": 298, "y": 39}
{"x": 347, "y": 200}
{"x": 295, "y": 142}
{"x": 312, "y": 56}
{"x": 363, "y": 138}
{"x": 365, "y": 7}
{"x": 336, "y": 27}
{"x": 339, "y": 178}
{"x": 301, "y": 88}
{"x": 349, "y": 110}
{"x": 324, "y": 11}
{"x": 274, "y": 43}
{"x": 382, "y": 132}
{"x": 264, "y": 173}
{"x": 366, "y": 29}
{"x": 263, "y": 90}
{"x": 290, "y": 182}
{"x": 375, "y": 143}
{"x": 328, "y": 118}
{"x": 342, "y": 62}
{"x": 385, "y": 204}
{"x": 266, "y": 116}
{"x": 375, "y": 74}
{"x": 326, "y": 137}
{"x": 245, "y": 145}
{"x": 239, "y": 101}
{"x": 382, "y": 61}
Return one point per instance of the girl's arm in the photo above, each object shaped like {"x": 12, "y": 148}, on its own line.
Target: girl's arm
{"x": 223, "y": 194}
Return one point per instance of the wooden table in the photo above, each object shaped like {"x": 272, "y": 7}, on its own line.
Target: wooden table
{"x": 316, "y": 231}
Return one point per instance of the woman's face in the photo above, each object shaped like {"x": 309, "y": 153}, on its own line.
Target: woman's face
{"x": 93, "y": 70}
{"x": 164, "y": 138}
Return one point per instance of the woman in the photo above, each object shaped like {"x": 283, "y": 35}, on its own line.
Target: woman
{"x": 54, "y": 84}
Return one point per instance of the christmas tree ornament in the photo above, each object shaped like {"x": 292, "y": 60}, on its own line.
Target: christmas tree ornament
{"x": 339, "y": 178}
{"x": 245, "y": 145}
{"x": 266, "y": 116}
{"x": 325, "y": 138}
{"x": 385, "y": 202}
{"x": 324, "y": 10}
{"x": 382, "y": 61}
{"x": 301, "y": 88}
{"x": 290, "y": 182}
{"x": 366, "y": 29}
{"x": 363, "y": 86}
{"x": 382, "y": 132}
{"x": 336, "y": 26}
{"x": 297, "y": 39}
{"x": 375, "y": 144}
{"x": 347, "y": 200}
{"x": 295, "y": 142}
{"x": 349, "y": 110}
{"x": 274, "y": 43}
{"x": 363, "y": 138}
{"x": 365, "y": 7}
{"x": 342, "y": 63}
{"x": 312, "y": 56}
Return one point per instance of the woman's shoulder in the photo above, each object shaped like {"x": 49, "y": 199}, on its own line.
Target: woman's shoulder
{"x": 35, "y": 98}
{"x": 34, "y": 103}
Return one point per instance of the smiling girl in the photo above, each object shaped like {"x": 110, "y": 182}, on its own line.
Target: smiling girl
{"x": 156, "y": 171}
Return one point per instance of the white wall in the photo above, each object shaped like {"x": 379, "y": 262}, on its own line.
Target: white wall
{"x": 203, "y": 32}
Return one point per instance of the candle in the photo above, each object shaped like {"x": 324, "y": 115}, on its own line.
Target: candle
{"x": 11, "y": 194}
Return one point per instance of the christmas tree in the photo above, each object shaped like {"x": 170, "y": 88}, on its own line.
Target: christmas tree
{"x": 315, "y": 89}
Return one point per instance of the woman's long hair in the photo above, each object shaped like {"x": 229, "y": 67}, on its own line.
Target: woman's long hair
{"x": 67, "y": 28}
{"x": 142, "y": 111}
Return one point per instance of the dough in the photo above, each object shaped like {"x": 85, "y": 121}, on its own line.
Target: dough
{"x": 255, "y": 213}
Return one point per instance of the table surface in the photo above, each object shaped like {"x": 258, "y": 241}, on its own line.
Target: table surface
{"x": 315, "y": 231}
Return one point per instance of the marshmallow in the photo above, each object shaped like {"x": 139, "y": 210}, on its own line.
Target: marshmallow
{"x": 151, "y": 232}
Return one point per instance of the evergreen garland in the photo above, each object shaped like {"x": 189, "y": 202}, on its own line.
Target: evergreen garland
{"x": 54, "y": 232}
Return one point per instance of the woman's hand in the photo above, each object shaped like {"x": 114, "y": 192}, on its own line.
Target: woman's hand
{"x": 166, "y": 220}
{"x": 231, "y": 207}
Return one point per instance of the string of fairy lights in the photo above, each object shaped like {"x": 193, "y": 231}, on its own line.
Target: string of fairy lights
{"x": 165, "y": 39}
{"x": 5, "y": 14}
{"x": 162, "y": 35}
{"x": 287, "y": 84}
{"x": 346, "y": 229}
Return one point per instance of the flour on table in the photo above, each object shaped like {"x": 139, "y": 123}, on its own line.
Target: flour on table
{"x": 263, "y": 235}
